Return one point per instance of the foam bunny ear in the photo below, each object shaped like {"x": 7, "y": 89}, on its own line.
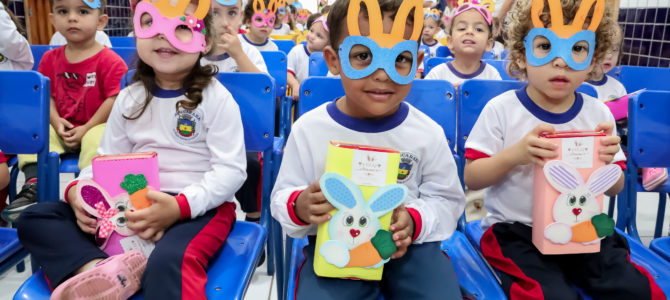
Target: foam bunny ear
{"x": 94, "y": 4}
{"x": 90, "y": 194}
{"x": 272, "y": 6}
{"x": 340, "y": 191}
{"x": 387, "y": 198}
{"x": 172, "y": 11}
{"x": 562, "y": 176}
{"x": 603, "y": 178}
{"x": 558, "y": 26}
{"x": 259, "y": 6}
{"x": 376, "y": 25}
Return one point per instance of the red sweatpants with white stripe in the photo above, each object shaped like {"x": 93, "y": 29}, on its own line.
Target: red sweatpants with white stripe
{"x": 528, "y": 274}
{"x": 176, "y": 268}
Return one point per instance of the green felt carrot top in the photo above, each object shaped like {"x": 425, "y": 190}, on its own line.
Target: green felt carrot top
{"x": 133, "y": 183}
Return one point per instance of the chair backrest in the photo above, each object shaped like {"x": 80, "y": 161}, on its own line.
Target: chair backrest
{"x": 635, "y": 78}
{"x": 276, "y": 63}
{"x": 255, "y": 95}
{"x": 38, "y": 51}
{"x": 587, "y": 89}
{"x": 500, "y": 65}
{"x": 122, "y": 41}
{"x": 24, "y": 122}
{"x": 443, "y": 51}
{"x": 489, "y": 55}
{"x": 434, "y": 62}
{"x": 473, "y": 95}
{"x": 128, "y": 54}
{"x": 284, "y": 45}
{"x": 649, "y": 129}
{"x": 435, "y": 98}
{"x": 317, "y": 64}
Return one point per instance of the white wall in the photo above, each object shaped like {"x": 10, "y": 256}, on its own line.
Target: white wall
{"x": 644, "y": 3}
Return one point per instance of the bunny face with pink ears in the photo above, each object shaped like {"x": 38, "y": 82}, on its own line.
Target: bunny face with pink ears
{"x": 110, "y": 214}
{"x": 577, "y": 202}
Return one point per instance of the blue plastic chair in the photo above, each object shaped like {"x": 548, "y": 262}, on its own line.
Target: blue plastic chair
{"x": 128, "y": 54}
{"x": 26, "y": 93}
{"x": 284, "y": 45}
{"x": 38, "y": 52}
{"x": 434, "y": 62}
{"x": 254, "y": 93}
{"x": 436, "y": 99}
{"x": 501, "y": 66}
{"x": 276, "y": 63}
{"x": 648, "y": 133}
{"x": 227, "y": 278}
{"x": 635, "y": 78}
{"x": 122, "y": 41}
{"x": 489, "y": 55}
{"x": 317, "y": 64}
{"x": 443, "y": 51}
{"x": 639, "y": 254}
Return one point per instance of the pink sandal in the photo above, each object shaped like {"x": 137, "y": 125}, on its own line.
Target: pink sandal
{"x": 653, "y": 178}
{"x": 117, "y": 277}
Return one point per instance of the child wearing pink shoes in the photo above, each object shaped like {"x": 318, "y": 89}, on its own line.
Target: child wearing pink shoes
{"x": 200, "y": 170}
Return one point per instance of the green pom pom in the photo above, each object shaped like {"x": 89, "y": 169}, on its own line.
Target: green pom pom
{"x": 182, "y": 18}
{"x": 383, "y": 242}
{"x": 204, "y": 31}
{"x": 133, "y": 183}
{"x": 604, "y": 225}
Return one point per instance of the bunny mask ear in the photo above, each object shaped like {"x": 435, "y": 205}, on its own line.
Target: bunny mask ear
{"x": 340, "y": 191}
{"x": 387, "y": 198}
{"x": 603, "y": 178}
{"x": 562, "y": 176}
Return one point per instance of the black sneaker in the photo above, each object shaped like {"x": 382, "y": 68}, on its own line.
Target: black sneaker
{"x": 25, "y": 198}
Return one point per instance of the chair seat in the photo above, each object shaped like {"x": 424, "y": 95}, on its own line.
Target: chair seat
{"x": 11, "y": 251}
{"x": 227, "y": 278}
{"x": 662, "y": 247}
{"x": 69, "y": 163}
{"x": 472, "y": 272}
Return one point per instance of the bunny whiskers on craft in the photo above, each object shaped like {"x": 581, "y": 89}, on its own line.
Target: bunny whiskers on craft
{"x": 576, "y": 211}
{"x": 356, "y": 235}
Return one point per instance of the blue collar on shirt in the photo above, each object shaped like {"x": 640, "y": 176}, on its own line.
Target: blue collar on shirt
{"x": 257, "y": 45}
{"x": 162, "y": 93}
{"x": 548, "y": 116}
{"x": 599, "y": 82}
{"x": 368, "y": 126}
{"x": 219, "y": 57}
{"x": 482, "y": 66}
{"x": 305, "y": 47}
{"x": 431, "y": 45}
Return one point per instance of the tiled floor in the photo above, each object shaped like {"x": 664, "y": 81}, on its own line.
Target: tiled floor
{"x": 263, "y": 287}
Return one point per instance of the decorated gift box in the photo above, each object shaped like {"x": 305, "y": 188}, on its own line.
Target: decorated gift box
{"x": 120, "y": 182}
{"x": 619, "y": 106}
{"x": 360, "y": 182}
{"x": 568, "y": 195}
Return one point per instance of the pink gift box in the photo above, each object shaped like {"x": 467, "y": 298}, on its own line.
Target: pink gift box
{"x": 109, "y": 170}
{"x": 619, "y": 107}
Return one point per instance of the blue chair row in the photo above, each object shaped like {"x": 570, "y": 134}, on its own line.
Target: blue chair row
{"x": 231, "y": 271}
{"x": 317, "y": 65}
{"x": 436, "y": 98}
{"x": 122, "y": 41}
{"x": 443, "y": 51}
{"x": 636, "y": 78}
{"x": 648, "y": 140}
{"x": 284, "y": 45}
{"x": 21, "y": 137}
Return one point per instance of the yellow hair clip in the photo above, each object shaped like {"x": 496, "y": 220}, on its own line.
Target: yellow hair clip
{"x": 376, "y": 24}
{"x": 172, "y": 11}
{"x": 556, "y": 14}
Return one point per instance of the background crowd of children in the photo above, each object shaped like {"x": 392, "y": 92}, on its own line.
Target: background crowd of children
{"x": 91, "y": 115}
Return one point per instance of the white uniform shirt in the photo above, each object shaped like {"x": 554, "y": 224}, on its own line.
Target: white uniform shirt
{"x": 225, "y": 63}
{"x": 608, "y": 88}
{"x": 100, "y": 36}
{"x": 446, "y": 71}
{"x": 206, "y": 161}
{"x": 298, "y": 62}
{"x": 15, "y": 54}
{"x": 432, "y": 47}
{"x": 267, "y": 46}
{"x": 434, "y": 188}
{"x": 283, "y": 30}
{"x": 503, "y": 122}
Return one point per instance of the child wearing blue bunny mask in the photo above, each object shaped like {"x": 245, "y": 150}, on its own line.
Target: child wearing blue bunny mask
{"x": 375, "y": 51}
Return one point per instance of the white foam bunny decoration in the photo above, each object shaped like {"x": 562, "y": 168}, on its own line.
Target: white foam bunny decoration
{"x": 577, "y": 214}
{"x": 356, "y": 235}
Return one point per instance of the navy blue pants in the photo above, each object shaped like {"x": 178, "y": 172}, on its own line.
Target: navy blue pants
{"x": 424, "y": 272}
{"x": 249, "y": 195}
{"x": 175, "y": 269}
{"x": 528, "y": 274}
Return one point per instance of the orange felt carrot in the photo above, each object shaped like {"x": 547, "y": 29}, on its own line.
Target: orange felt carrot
{"x": 364, "y": 255}
{"x": 136, "y": 186}
{"x": 584, "y": 232}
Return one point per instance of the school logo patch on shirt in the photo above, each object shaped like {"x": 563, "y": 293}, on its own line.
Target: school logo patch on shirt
{"x": 3, "y": 58}
{"x": 407, "y": 161}
{"x": 188, "y": 124}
